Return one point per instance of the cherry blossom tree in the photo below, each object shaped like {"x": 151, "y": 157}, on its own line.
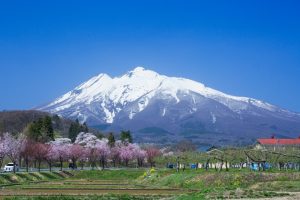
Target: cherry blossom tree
{"x": 97, "y": 150}
{"x": 75, "y": 152}
{"x": 60, "y": 141}
{"x": 86, "y": 139}
{"x": 127, "y": 153}
{"x": 40, "y": 153}
{"x": 13, "y": 147}
{"x": 63, "y": 153}
{"x": 115, "y": 154}
{"x": 151, "y": 153}
{"x": 2, "y": 151}
{"x": 139, "y": 154}
{"x": 84, "y": 157}
{"x": 28, "y": 152}
{"x": 120, "y": 151}
{"x": 61, "y": 148}
{"x": 51, "y": 155}
{"x": 92, "y": 156}
{"x": 103, "y": 151}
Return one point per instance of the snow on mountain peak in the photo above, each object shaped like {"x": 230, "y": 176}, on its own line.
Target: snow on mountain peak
{"x": 99, "y": 79}
{"x": 138, "y": 69}
{"x": 104, "y": 95}
{"x": 141, "y": 72}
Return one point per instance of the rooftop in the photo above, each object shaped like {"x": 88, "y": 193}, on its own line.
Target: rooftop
{"x": 276, "y": 141}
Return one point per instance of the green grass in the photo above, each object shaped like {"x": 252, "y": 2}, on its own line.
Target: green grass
{"x": 50, "y": 175}
{"x": 231, "y": 184}
{"x": 23, "y": 177}
{"x": 109, "y": 174}
{"x": 285, "y": 186}
{"x": 59, "y": 174}
{"x": 11, "y": 178}
{"x": 150, "y": 184}
{"x": 36, "y": 175}
{"x": 98, "y": 197}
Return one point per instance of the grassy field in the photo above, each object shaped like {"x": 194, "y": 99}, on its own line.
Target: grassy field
{"x": 149, "y": 184}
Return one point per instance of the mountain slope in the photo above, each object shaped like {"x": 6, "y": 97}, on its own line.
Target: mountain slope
{"x": 173, "y": 108}
{"x": 15, "y": 121}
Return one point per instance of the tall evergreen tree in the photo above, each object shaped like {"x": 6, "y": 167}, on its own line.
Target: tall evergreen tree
{"x": 39, "y": 124}
{"x": 33, "y": 131}
{"x": 85, "y": 127}
{"x": 40, "y": 130}
{"x": 47, "y": 129}
{"x": 57, "y": 122}
{"x": 126, "y": 136}
{"x": 76, "y": 128}
{"x": 111, "y": 139}
{"x": 73, "y": 131}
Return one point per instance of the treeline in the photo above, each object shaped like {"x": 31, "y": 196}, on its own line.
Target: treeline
{"x": 15, "y": 121}
{"x": 36, "y": 124}
{"x": 42, "y": 130}
{"x": 87, "y": 150}
{"x": 282, "y": 157}
{"x": 43, "y": 127}
{"x": 76, "y": 128}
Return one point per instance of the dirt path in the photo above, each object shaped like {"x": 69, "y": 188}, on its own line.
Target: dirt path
{"x": 293, "y": 196}
{"x": 68, "y": 191}
{"x": 84, "y": 188}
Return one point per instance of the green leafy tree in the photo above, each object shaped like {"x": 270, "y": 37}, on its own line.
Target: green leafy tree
{"x": 47, "y": 129}
{"x": 57, "y": 122}
{"x": 40, "y": 130}
{"x": 84, "y": 127}
{"x": 126, "y": 136}
{"x": 33, "y": 131}
{"x": 111, "y": 139}
{"x": 76, "y": 128}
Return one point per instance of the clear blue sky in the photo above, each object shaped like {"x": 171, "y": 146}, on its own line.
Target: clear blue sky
{"x": 246, "y": 48}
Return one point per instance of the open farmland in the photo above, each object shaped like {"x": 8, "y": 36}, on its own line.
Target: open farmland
{"x": 150, "y": 184}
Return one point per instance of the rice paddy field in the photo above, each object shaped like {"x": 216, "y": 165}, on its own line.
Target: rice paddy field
{"x": 150, "y": 184}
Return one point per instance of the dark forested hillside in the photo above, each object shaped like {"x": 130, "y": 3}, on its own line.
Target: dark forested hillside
{"x": 16, "y": 121}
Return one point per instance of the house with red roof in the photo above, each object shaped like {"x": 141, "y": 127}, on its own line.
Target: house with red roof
{"x": 275, "y": 143}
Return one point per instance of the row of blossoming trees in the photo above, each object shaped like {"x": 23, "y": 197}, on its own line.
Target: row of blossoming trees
{"x": 86, "y": 150}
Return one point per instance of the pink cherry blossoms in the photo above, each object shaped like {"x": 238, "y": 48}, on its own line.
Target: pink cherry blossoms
{"x": 87, "y": 150}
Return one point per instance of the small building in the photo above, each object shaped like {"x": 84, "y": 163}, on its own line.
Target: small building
{"x": 276, "y": 143}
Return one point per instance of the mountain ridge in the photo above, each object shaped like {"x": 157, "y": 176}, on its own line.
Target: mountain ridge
{"x": 124, "y": 102}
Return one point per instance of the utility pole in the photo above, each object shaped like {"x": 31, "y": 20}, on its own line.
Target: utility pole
{"x": 177, "y": 160}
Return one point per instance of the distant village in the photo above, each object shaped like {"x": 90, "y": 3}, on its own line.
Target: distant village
{"x": 265, "y": 154}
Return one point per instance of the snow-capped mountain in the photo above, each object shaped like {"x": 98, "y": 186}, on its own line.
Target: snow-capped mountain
{"x": 151, "y": 104}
